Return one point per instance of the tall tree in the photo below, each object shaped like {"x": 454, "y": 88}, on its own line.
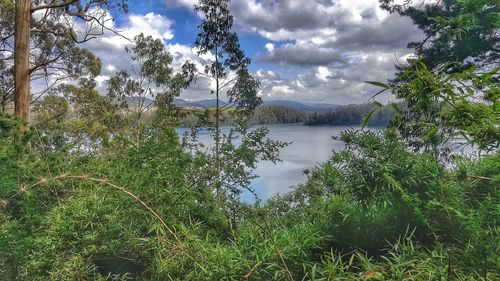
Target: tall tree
{"x": 50, "y": 32}
{"x": 228, "y": 68}
{"x": 154, "y": 80}
{"x": 228, "y": 169}
{"x": 21, "y": 59}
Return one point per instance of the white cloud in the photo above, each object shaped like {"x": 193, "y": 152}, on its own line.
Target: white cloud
{"x": 328, "y": 48}
{"x": 325, "y": 48}
{"x": 323, "y": 73}
{"x": 151, "y": 24}
{"x": 110, "y": 48}
{"x": 266, "y": 74}
{"x": 281, "y": 91}
{"x": 269, "y": 47}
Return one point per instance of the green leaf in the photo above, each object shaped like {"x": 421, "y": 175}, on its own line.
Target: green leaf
{"x": 378, "y": 84}
{"x": 431, "y": 132}
{"x": 396, "y": 108}
{"x": 367, "y": 119}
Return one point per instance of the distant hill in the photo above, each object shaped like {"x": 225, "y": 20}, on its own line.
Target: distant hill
{"x": 211, "y": 103}
{"x": 325, "y": 106}
{"x": 185, "y": 103}
{"x": 307, "y": 107}
{"x": 135, "y": 101}
{"x": 208, "y": 103}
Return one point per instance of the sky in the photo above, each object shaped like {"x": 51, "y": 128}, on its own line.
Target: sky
{"x": 318, "y": 51}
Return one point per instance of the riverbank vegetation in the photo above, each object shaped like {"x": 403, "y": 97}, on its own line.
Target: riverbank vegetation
{"x": 353, "y": 115}
{"x": 262, "y": 115}
{"x": 90, "y": 193}
{"x": 345, "y": 115}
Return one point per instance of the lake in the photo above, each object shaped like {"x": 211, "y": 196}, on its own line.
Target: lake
{"x": 310, "y": 147}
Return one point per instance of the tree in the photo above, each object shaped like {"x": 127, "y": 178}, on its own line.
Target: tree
{"x": 458, "y": 33}
{"x": 441, "y": 107}
{"x": 155, "y": 79}
{"x": 353, "y": 115}
{"x": 75, "y": 118}
{"x": 450, "y": 88}
{"x": 54, "y": 38}
{"x": 228, "y": 68}
{"x": 228, "y": 169}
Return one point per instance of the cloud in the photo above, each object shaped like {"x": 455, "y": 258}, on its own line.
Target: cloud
{"x": 151, "y": 24}
{"x": 110, "y": 47}
{"x": 323, "y": 49}
{"x": 319, "y": 32}
{"x": 282, "y": 91}
{"x": 306, "y": 54}
{"x": 290, "y": 15}
{"x": 338, "y": 85}
{"x": 181, "y": 3}
{"x": 266, "y": 75}
{"x": 327, "y": 47}
{"x": 323, "y": 73}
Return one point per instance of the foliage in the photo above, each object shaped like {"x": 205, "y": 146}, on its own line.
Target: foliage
{"x": 83, "y": 198}
{"x": 459, "y": 33}
{"x": 275, "y": 114}
{"x": 440, "y": 107}
{"x": 155, "y": 79}
{"x": 450, "y": 87}
{"x": 75, "y": 118}
{"x": 373, "y": 209}
{"x": 55, "y": 54}
{"x": 353, "y": 115}
{"x": 376, "y": 191}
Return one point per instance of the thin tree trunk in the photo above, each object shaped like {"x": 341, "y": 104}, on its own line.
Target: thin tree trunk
{"x": 217, "y": 125}
{"x": 217, "y": 121}
{"x": 21, "y": 60}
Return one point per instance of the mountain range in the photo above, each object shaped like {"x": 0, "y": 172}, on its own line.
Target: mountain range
{"x": 211, "y": 103}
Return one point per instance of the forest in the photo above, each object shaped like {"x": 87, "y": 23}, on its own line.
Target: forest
{"x": 354, "y": 115}
{"x": 344, "y": 115}
{"x": 92, "y": 189}
{"x": 262, "y": 115}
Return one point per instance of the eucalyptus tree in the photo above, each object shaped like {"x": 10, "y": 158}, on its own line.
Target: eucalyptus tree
{"x": 75, "y": 119}
{"x": 235, "y": 153}
{"x": 150, "y": 77}
{"x": 228, "y": 66}
{"x": 40, "y": 43}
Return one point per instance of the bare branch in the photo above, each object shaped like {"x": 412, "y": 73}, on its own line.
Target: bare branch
{"x": 54, "y": 5}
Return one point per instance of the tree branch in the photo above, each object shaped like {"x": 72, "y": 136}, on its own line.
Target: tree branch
{"x": 54, "y": 5}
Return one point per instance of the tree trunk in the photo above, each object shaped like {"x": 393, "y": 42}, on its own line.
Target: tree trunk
{"x": 21, "y": 60}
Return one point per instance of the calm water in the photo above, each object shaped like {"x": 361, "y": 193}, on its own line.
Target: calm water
{"x": 310, "y": 146}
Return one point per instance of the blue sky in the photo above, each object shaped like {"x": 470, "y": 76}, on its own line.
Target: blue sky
{"x": 185, "y": 26}
{"x": 303, "y": 50}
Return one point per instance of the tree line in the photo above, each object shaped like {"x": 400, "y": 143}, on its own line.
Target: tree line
{"x": 353, "y": 115}
{"x": 348, "y": 115}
